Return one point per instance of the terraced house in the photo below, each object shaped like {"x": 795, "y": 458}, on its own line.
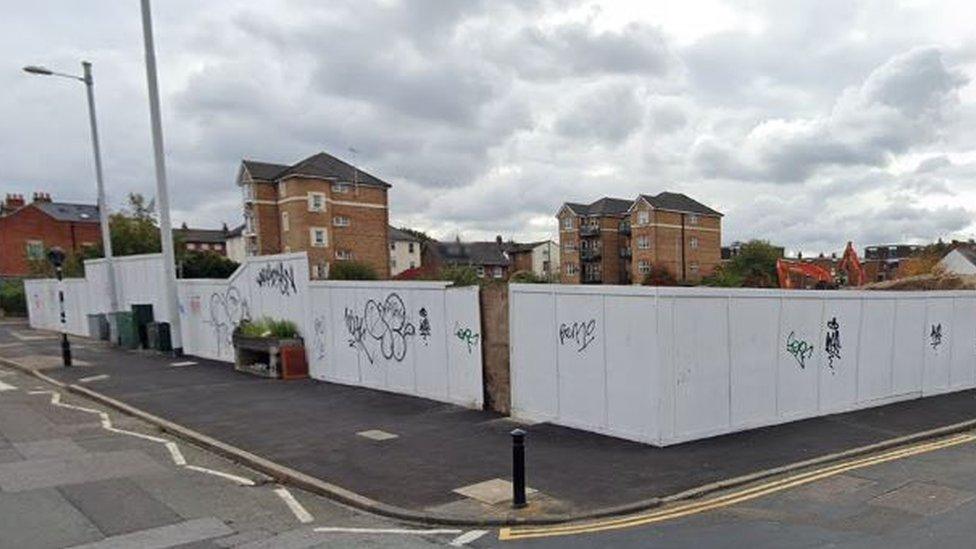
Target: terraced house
{"x": 321, "y": 205}
{"x": 618, "y": 241}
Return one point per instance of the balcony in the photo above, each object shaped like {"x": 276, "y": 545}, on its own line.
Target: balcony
{"x": 589, "y": 230}
{"x": 626, "y": 253}
{"x": 590, "y": 254}
{"x": 625, "y": 228}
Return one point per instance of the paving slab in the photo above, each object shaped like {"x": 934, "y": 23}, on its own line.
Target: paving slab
{"x": 118, "y": 506}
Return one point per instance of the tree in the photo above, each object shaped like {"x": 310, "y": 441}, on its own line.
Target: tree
{"x": 659, "y": 275}
{"x": 461, "y": 275}
{"x": 134, "y": 230}
{"x": 206, "y": 265}
{"x": 352, "y": 270}
{"x": 421, "y": 235}
{"x": 754, "y": 267}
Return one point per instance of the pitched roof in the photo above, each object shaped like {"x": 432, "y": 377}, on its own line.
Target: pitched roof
{"x": 470, "y": 253}
{"x": 325, "y": 165}
{"x": 603, "y": 206}
{"x": 236, "y": 231}
{"x": 968, "y": 253}
{"x": 516, "y": 247}
{"x": 201, "y": 235}
{"x": 263, "y": 170}
{"x": 678, "y": 202}
{"x": 396, "y": 235}
{"x": 63, "y": 211}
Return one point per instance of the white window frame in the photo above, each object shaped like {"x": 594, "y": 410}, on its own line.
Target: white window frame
{"x": 282, "y": 189}
{"x": 693, "y": 242}
{"x": 567, "y": 223}
{"x": 393, "y": 263}
{"x": 325, "y": 237}
{"x": 343, "y": 255}
{"x": 340, "y": 221}
{"x": 37, "y": 243}
{"x": 341, "y": 187}
{"x": 570, "y": 268}
{"x": 569, "y": 247}
{"x": 312, "y": 207}
{"x": 693, "y": 219}
{"x": 410, "y": 247}
{"x": 643, "y": 242}
{"x": 497, "y": 272}
{"x": 480, "y": 271}
{"x": 191, "y": 246}
{"x": 643, "y": 217}
{"x": 285, "y": 222}
{"x": 694, "y": 267}
{"x": 644, "y": 267}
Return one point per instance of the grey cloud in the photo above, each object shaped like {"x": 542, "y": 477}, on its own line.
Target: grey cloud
{"x": 607, "y": 113}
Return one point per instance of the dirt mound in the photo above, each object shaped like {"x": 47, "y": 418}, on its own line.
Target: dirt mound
{"x": 926, "y": 282}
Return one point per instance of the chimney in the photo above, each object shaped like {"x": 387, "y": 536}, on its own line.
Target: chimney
{"x": 41, "y": 197}
{"x": 12, "y": 202}
{"x": 498, "y": 240}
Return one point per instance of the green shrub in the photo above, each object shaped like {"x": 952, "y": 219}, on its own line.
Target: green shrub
{"x": 352, "y": 270}
{"x": 269, "y": 327}
{"x": 13, "y": 299}
{"x": 526, "y": 277}
{"x": 460, "y": 276}
{"x": 206, "y": 265}
{"x": 659, "y": 275}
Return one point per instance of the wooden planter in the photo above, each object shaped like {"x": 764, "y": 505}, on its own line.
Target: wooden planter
{"x": 269, "y": 356}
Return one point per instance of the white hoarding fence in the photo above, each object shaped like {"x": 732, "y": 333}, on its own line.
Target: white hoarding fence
{"x": 417, "y": 338}
{"x": 668, "y": 365}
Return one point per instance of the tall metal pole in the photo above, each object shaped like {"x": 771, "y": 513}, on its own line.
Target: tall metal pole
{"x": 162, "y": 190}
{"x": 113, "y": 299}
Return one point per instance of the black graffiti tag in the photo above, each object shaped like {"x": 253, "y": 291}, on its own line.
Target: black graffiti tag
{"x": 580, "y": 333}
{"x": 386, "y": 322}
{"x": 832, "y": 343}
{"x": 424, "y": 328}
{"x": 318, "y": 337}
{"x": 935, "y": 336}
{"x": 801, "y": 350}
{"x": 278, "y": 277}
{"x": 227, "y": 310}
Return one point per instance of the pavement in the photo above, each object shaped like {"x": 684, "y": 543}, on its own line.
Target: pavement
{"x": 419, "y": 452}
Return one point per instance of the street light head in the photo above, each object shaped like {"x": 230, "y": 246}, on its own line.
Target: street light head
{"x": 34, "y": 69}
{"x": 56, "y": 256}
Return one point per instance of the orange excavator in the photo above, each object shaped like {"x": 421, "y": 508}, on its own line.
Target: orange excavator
{"x": 849, "y": 269}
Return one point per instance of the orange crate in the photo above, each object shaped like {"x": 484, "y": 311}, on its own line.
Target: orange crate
{"x": 293, "y": 363}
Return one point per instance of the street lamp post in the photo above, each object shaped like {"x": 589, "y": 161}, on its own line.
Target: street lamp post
{"x": 56, "y": 257}
{"x": 89, "y": 82}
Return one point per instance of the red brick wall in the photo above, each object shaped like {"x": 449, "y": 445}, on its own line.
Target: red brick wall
{"x": 30, "y": 223}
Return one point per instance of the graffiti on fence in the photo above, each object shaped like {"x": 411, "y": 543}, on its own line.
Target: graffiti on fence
{"x": 227, "y": 310}
{"x": 385, "y": 322}
{"x": 800, "y": 349}
{"x": 424, "y": 328}
{"x": 832, "y": 343}
{"x": 935, "y": 336}
{"x": 579, "y": 333}
{"x": 280, "y": 277}
{"x": 318, "y": 337}
{"x": 467, "y": 335}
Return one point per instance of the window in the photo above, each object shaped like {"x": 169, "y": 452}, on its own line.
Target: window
{"x": 343, "y": 255}
{"x": 693, "y": 243}
{"x": 570, "y": 268}
{"x": 643, "y": 243}
{"x": 284, "y": 221}
{"x": 693, "y": 219}
{"x": 410, "y": 247}
{"x": 569, "y": 246}
{"x": 319, "y": 237}
{"x": 249, "y": 224}
{"x": 218, "y": 246}
{"x": 191, "y": 246}
{"x": 393, "y": 263}
{"x": 282, "y": 188}
{"x": 340, "y": 188}
{"x": 340, "y": 221}
{"x": 644, "y": 267}
{"x": 643, "y": 217}
{"x": 496, "y": 272}
{"x": 316, "y": 202}
{"x": 248, "y": 190}
{"x": 204, "y": 246}
{"x": 35, "y": 249}
{"x": 567, "y": 223}
{"x": 320, "y": 270}
{"x": 480, "y": 270}
{"x": 693, "y": 267}
{"x": 413, "y": 265}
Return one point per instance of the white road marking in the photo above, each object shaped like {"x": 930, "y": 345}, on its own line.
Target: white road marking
{"x": 180, "y": 364}
{"x": 175, "y": 453}
{"x": 339, "y": 530}
{"x": 239, "y": 480}
{"x": 467, "y": 537}
{"x": 6, "y": 387}
{"x": 88, "y": 379}
{"x": 297, "y": 508}
{"x": 23, "y": 337}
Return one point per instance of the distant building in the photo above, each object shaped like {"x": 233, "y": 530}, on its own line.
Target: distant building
{"x": 203, "y": 240}
{"x": 404, "y": 251}
{"x": 961, "y": 261}
{"x": 888, "y": 262}
{"x": 27, "y": 231}
{"x": 236, "y": 246}
{"x": 540, "y": 258}
{"x": 617, "y": 241}
{"x": 322, "y": 205}
{"x": 486, "y": 258}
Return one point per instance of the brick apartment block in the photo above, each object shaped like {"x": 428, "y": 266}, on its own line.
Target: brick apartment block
{"x": 27, "y": 231}
{"x": 321, "y": 205}
{"x": 617, "y": 241}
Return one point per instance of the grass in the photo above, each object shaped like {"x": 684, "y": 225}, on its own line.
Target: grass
{"x": 269, "y": 327}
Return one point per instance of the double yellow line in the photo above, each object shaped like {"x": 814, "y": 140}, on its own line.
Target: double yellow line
{"x": 732, "y": 498}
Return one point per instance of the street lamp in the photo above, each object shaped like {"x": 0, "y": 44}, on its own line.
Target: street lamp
{"x": 56, "y": 256}
{"x": 102, "y": 206}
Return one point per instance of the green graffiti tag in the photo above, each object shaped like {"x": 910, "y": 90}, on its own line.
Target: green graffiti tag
{"x": 468, "y": 336}
{"x": 801, "y": 350}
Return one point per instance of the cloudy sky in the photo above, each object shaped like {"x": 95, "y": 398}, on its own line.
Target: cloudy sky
{"x": 806, "y": 123}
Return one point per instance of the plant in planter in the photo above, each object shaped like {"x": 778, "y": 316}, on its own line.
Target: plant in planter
{"x": 270, "y": 348}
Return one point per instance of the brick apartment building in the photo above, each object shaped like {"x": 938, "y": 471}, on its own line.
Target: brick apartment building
{"x": 321, "y": 205}
{"x": 27, "y": 231}
{"x": 203, "y": 240}
{"x": 617, "y": 241}
{"x": 488, "y": 259}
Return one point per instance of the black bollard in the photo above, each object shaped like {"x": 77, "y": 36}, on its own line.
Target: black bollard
{"x": 518, "y": 469}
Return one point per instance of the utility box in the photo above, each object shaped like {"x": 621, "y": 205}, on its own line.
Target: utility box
{"x": 142, "y": 315}
{"x": 128, "y": 336}
{"x": 159, "y": 336}
{"x": 98, "y": 327}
